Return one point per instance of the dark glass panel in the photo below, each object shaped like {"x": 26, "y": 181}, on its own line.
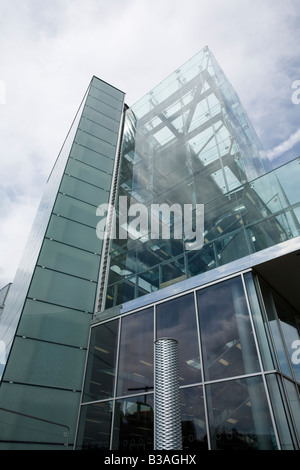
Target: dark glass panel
{"x": 194, "y": 432}
{"x": 94, "y": 427}
{"x": 100, "y": 375}
{"x": 177, "y": 319}
{"x": 136, "y": 353}
{"x": 239, "y": 416}
{"x": 133, "y": 424}
{"x": 226, "y": 331}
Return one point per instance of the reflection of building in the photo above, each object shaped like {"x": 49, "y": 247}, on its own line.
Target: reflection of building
{"x": 82, "y": 316}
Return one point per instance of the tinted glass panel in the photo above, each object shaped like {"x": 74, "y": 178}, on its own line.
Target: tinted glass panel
{"x": 177, "y": 319}
{"x": 94, "y": 428}
{"x": 54, "y": 323}
{"x": 226, "y": 332}
{"x": 133, "y": 426}
{"x": 93, "y": 158}
{"x": 76, "y": 210}
{"x": 63, "y": 289}
{"x": 194, "y": 432}
{"x": 89, "y": 174}
{"x": 239, "y": 416}
{"x": 84, "y": 191}
{"x": 73, "y": 233}
{"x": 136, "y": 353}
{"x": 69, "y": 260}
{"x": 100, "y": 377}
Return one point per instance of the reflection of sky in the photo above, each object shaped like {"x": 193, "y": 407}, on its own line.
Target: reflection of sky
{"x": 136, "y": 352}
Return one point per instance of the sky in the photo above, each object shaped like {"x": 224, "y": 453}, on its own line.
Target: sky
{"x": 49, "y": 51}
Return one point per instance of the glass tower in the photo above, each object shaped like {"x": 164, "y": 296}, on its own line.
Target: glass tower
{"x": 84, "y": 310}
{"x": 188, "y": 142}
{"x": 45, "y": 324}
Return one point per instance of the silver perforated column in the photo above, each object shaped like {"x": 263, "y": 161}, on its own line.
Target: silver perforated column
{"x": 167, "y": 421}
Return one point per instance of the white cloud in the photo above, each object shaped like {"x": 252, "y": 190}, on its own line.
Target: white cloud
{"x": 50, "y": 50}
{"x": 283, "y": 147}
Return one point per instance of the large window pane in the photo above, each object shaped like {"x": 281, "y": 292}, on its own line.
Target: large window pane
{"x": 239, "y": 416}
{"x": 89, "y": 174}
{"x": 177, "y": 319}
{"x": 84, "y": 191}
{"x": 260, "y": 323}
{"x": 94, "y": 427}
{"x": 194, "y": 432}
{"x": 50, "y": 322}
{"x": 100, "y": 378}
{"x": 136, "y": 353}
{"x": 76, "y": 210}
{"x": 226, "y": 331}
{"x": 73, "y": 233}
{"x": 52, "y": 364}
{"x": 69, "y": 260}
{"x": 133, "y": 425}
{"x": 63, "y": 289}
{"x": 281, "y": 412}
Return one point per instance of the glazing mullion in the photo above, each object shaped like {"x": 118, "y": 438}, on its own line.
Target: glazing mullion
{"x": 261, "y": 364}
{"x": 202, "y": 372}
{"x": 115, "y": 386}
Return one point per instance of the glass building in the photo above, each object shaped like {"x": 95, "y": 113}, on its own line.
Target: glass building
{"x": 163, "y": 219}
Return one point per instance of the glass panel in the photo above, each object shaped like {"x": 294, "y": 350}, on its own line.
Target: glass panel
{"x": 226, "y": 331}
{"x": 177, "y": 319}
{"x": 100, "y": 374}
{"x": 239, "y": 416}
{"x": 106, "y": 98}
{"x": 133, "y": 424}
{"x": 84, "y": 191}
{"x": 92, "y": 142}
{"x": 281, "y": 413}
{"x": 293, "y": 393}
{"x": 136, "y": 353}
{"x": 261, "y": 326}
{"x": 108, "y": 136}
{"x": 93, "y": 158}
{"x": 54, "y": 364}
{"x": 290, "y": 326}
{"x": 76, "y": 210}
{"x": 70, "y": 260}
{"x": 63, "y": 289}
{"x": 94, "y": 427}
{"x": 194, "y": 432}
{"x": 54, "y": 323}
{"x": 107, "y": 89}
{"x": 103, "y": 108}
{"x": 173, "y": 272}
{"x": 275, "y": 330}
{"x": 101, "y": 119}
{"x": 89, "y": 174}
{"x": 73, "y": 233}
{"x": 35, "y": 401}
{"x": 148, "y": 282}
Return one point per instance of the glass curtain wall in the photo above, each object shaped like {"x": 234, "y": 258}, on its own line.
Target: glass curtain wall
{"x": 43, "y": 374}
{"x": 234, "y": 395}
{"x": 188, "y": 142}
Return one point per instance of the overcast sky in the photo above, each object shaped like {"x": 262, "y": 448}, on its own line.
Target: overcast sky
{"x": 50, "y": 49}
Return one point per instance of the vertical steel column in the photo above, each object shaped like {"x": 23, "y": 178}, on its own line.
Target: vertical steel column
{"x": 167, "y": 420}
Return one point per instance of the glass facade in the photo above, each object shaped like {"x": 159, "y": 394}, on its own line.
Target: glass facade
{"x": 46, "y": 323}
{"x": 236, "y": 393}
{"x": 82, "y": 316}
{"x": 189, "y": 142}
